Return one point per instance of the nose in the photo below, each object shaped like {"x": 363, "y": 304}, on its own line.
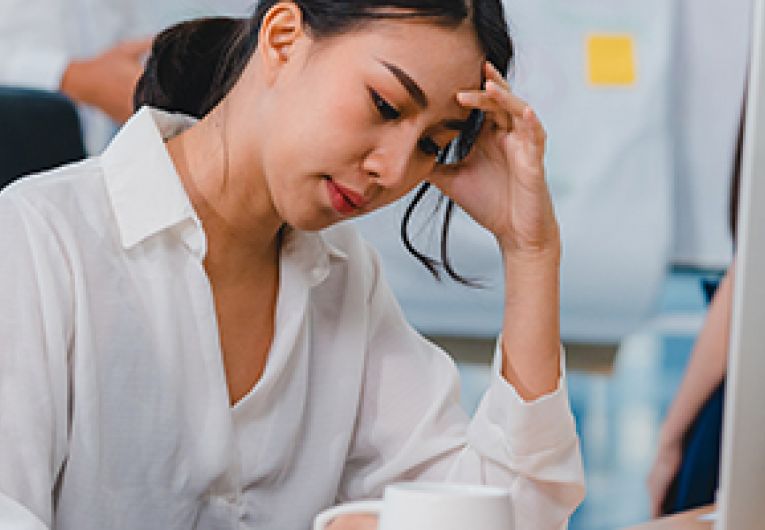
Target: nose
{"x": 391, "y": 163}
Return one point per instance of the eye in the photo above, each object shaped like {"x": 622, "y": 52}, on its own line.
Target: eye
{"x": 386, "y": 110}
{"x": 429, "y": 147}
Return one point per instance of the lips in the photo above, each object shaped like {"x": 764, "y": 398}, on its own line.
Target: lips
{"x": 344, "y": 200}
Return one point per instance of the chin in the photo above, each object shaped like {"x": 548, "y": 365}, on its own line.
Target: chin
{"x": 310, "y": 221}
{"x": 310, "y": 226}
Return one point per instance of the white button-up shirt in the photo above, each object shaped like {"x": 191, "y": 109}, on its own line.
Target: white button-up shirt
{"x": 114, "y": 408}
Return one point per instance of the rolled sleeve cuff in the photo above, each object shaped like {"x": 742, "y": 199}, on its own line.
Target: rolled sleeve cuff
{"x": 505, "y": 422}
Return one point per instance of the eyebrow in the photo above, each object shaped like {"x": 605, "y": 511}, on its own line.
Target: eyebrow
{"x": 420, "y": 98}
{"x": 413, "y": 88}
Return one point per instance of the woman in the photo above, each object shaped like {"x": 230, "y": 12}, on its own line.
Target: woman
{"x": 685, "y": 470}
{"x": 696, "y": 410}
{"x": 193, "y": 339}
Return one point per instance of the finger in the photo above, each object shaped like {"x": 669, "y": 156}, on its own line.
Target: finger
{"x": 533, "y": 128}
{"x": 495, "y": 75}
{"x": 510, "y": 101}
{"x": 485, "y": 102}
{"x": 496, "y": 99}
{"x": 492, "y": 96}
{"x": 523, "y": 120}
{"x": 523, "y": 115}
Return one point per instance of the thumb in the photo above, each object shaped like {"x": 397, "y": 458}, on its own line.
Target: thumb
{"x": 443, "y": 176}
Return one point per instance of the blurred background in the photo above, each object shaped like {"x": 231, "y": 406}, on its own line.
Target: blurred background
{"x": 642, "y": 101}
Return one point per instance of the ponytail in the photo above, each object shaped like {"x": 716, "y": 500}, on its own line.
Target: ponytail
{"x": 194, "y": 64}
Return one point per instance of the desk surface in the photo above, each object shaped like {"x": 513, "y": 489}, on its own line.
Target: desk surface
{"x": 683, "y": 521}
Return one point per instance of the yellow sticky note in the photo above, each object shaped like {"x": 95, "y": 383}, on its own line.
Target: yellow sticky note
{"x": 611, "y": 60}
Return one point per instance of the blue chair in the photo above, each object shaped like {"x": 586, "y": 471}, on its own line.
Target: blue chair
{"x": 38, "y": 130}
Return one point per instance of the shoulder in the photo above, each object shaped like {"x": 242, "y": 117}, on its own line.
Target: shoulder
{"x": 51, "y": 185}
{"x": 60, "y": 196}
{"x": 59, "y": 215}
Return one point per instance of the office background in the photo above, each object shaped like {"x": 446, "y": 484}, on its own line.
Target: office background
{"x": 642, "y": 101}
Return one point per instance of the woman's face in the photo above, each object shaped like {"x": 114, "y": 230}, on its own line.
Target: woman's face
{"x": 354, "y": 122}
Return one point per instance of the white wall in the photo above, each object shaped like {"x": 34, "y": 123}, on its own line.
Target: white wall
{"x": 711, "y": 50}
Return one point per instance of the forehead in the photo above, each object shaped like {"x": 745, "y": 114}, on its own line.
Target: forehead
{"x": 441, "y": 60}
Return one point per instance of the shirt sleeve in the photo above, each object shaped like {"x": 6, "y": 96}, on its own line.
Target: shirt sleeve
{"x": 34, "y": 48}
{"x": 411, "y": 426}
{"x": 33, "y": 365}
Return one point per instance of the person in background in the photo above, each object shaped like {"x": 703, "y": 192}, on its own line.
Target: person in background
{"x": 89, "y": 50}
{"x": 685, "y": 474}
{"x": 192, "y": 336}
{"x": 703, "y": 378}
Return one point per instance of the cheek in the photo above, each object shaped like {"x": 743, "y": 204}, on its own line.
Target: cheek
{"x": 299, "y": 202}
{"x": 336, "y": 126}
{"x": 322, "y": 140}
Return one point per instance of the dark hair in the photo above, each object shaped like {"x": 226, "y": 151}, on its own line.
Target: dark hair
{"x": 194, "y": 64}
{"x": 735, "y": 185}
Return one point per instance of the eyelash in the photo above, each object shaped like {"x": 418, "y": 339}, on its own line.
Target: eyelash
{"x": 386, "y": 110}
{"x": 389, "y": 113}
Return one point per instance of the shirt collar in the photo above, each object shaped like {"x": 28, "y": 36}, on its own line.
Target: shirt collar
{"x": 147, "y": 195}
{"x": 143, "y": 186}
{"x": 309, "y": 255}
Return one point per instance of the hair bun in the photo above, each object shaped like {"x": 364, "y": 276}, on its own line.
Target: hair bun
{"x": 186, "y": 65}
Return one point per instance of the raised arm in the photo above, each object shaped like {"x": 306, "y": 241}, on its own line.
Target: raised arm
{"x": 410, "y": 425}
{"x": 502, "y": 186}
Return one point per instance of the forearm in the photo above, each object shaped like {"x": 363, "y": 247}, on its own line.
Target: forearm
{"x": 531, "y": 326}
{"x": 706, "y": 367}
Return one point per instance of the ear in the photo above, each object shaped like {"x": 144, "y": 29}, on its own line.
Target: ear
{"x": 280, "y": 33}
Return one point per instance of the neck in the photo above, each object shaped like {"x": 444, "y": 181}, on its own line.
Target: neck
{"x": 233, "y": 203}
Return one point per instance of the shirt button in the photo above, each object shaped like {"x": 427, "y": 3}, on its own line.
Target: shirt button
{"x": 228, "y": 498}
{"x": 317, "y": 274}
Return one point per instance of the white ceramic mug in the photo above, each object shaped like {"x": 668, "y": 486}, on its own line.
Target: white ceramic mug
{"x": 431, "y": 506}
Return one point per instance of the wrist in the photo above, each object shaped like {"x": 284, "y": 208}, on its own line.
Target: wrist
{"x": 535, "y": 260}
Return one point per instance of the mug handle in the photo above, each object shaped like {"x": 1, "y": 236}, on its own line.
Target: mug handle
{"x": 325, "y": 517}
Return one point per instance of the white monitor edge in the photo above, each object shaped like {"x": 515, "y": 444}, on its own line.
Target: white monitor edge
{"x": 742, "y": 474}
